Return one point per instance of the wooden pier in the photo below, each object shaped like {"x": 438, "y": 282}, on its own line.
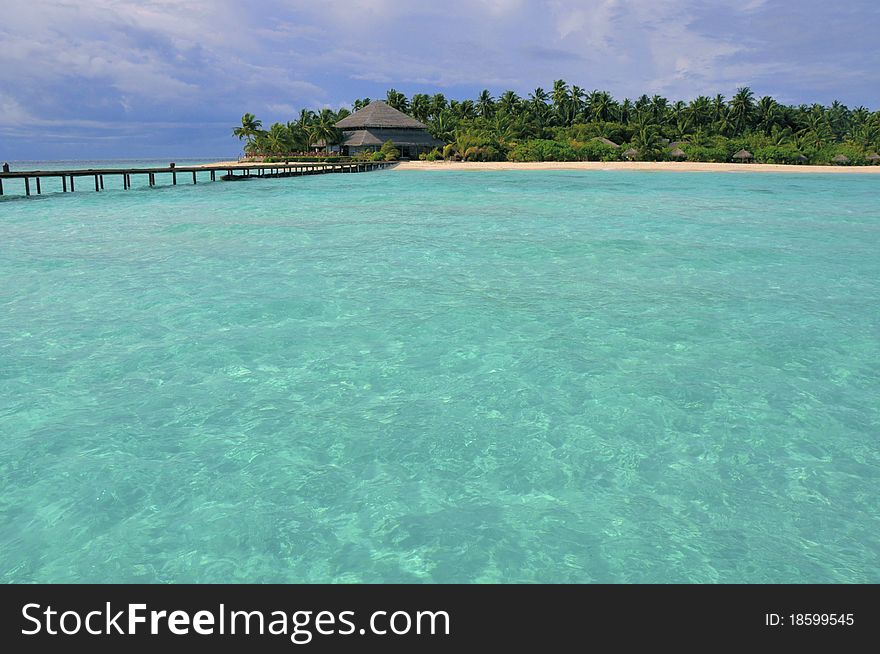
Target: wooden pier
{"x": 227, "y": 173}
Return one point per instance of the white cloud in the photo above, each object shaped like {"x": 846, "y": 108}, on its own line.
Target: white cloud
{"x": 89, "y": 64}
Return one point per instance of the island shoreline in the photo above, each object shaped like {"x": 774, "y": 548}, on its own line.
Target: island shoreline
{"x": 645, "y": 166}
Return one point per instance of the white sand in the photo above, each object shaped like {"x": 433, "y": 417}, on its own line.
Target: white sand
{"x": 677, "y": 166}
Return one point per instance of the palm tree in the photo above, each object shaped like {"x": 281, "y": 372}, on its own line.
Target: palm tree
{"x": 485, "y": 104}
{"x": 648, "y": 143}
{"x": 466, "y": 110}
{"x": 438, "y": 104}
{"x": 278, "y": 139}
{"x": 323, "y": 128}
{"x": 626, "y": 111}
{"x": 742, "y": 105}
{"x": 538, "y": 101}
{"x": 700, "y": 110}
{"x": 838, "y": 118}
{"x": 659, "y": 109}
{"x": 567, "y": 114}
{"x": 683, "y": 127}
{"x": 578, "y": 97}
{"x": 250, "y": 128}
{"x": 443, "y": 126}
{"x": 600, "y": 105}
{"x": 508, "y": 102}
{"x": 306, "y": 117}
{"x": 719, "y": 108}
{"x": 420, "y": 107}
{"x": 780, "y": 136}
{"x": 299, "y": 140}
{"x": 561, "y": 102}
{"x": 767, "y": 112}
{"x": 539, "y": 110}
{"x": 398, "y": 100}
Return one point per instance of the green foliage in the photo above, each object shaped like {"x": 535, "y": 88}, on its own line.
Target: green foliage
{"x": 594, "y": 150}
{"x": 709, "y": 153}
{"x": 377, "y": 156}
{"x": 617, "y": 132}
{"x": 542, "y": 150}
{"x": 647, "y": 141}
{"x": 561, "y": 123}
{"x": 777, "y": 154}
{"x": 305, "y": 159}
{"x": 487, "y": 153}
{"x": 388, "y": 152}
{"x": 857, "y": 155}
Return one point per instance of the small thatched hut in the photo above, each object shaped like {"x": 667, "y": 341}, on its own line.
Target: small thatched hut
{"x": 631, "y": 154}
{"x": 678, "y": 153}
{"x": 841, "y": 160}
{"x": 802, "y": 159}
{"x": 874, "y": 158}
{"x": 743, "y": 156}
{"x": 609, "y": 142}
{"x": 377, "y": 123}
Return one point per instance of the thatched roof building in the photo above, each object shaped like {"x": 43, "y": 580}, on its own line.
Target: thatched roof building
{"x": 874, "y": 158}
{"x": 802, "y": 158}
{"x": 678, "y": 153}
{"x": 743, "y": 155}
{"x": 632, "y": 153}
{"x": 609, "y": 142}
{"x": 370, "y": 127}
{"x": 841, "y": 159}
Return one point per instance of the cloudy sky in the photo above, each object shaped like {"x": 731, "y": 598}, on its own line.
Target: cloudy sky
{"x": 169, "y": 78}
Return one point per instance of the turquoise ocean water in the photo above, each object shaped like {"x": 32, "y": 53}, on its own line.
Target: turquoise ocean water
{"x": 443, "y": 377}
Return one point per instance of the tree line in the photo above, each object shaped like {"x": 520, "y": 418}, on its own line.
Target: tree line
{"x": 567, "y": 123}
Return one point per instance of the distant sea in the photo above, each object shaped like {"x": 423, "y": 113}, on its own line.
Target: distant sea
{"x": 443, "y": 377}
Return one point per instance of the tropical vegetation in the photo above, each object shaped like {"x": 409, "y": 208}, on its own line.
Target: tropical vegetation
{"x": 568, "y": 123}
{"x": 301, "y": 135}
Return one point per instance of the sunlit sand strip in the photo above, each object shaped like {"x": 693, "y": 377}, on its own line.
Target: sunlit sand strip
{"x": 665, "y": 166}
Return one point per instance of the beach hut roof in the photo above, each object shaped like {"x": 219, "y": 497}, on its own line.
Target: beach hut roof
{"x": 602, "y": 139}
{"x": 803, "y": 157}
{"x": 379, "y": 114}
{"x": 743, "y": 154}
{"x": 632, "y": 152}
{"x": 841, "y": 158}
{"x": 874, "y": 157}
{"x": 677, "y": 153}
{"x": 407, "y": 137}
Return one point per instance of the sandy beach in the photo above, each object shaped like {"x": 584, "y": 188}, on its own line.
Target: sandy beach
{"x": 665, "y": 166}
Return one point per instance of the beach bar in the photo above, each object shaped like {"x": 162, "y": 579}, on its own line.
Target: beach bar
{"x": 378, "y": 122}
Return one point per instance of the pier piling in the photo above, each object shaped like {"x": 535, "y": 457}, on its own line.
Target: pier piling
{"x": 287, "y": 169}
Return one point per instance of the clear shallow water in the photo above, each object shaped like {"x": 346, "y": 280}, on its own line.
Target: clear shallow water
{"x": 417, "y": 377}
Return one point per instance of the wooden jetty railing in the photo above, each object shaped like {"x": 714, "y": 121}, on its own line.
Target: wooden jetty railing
{"x": 229, "y": 173}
